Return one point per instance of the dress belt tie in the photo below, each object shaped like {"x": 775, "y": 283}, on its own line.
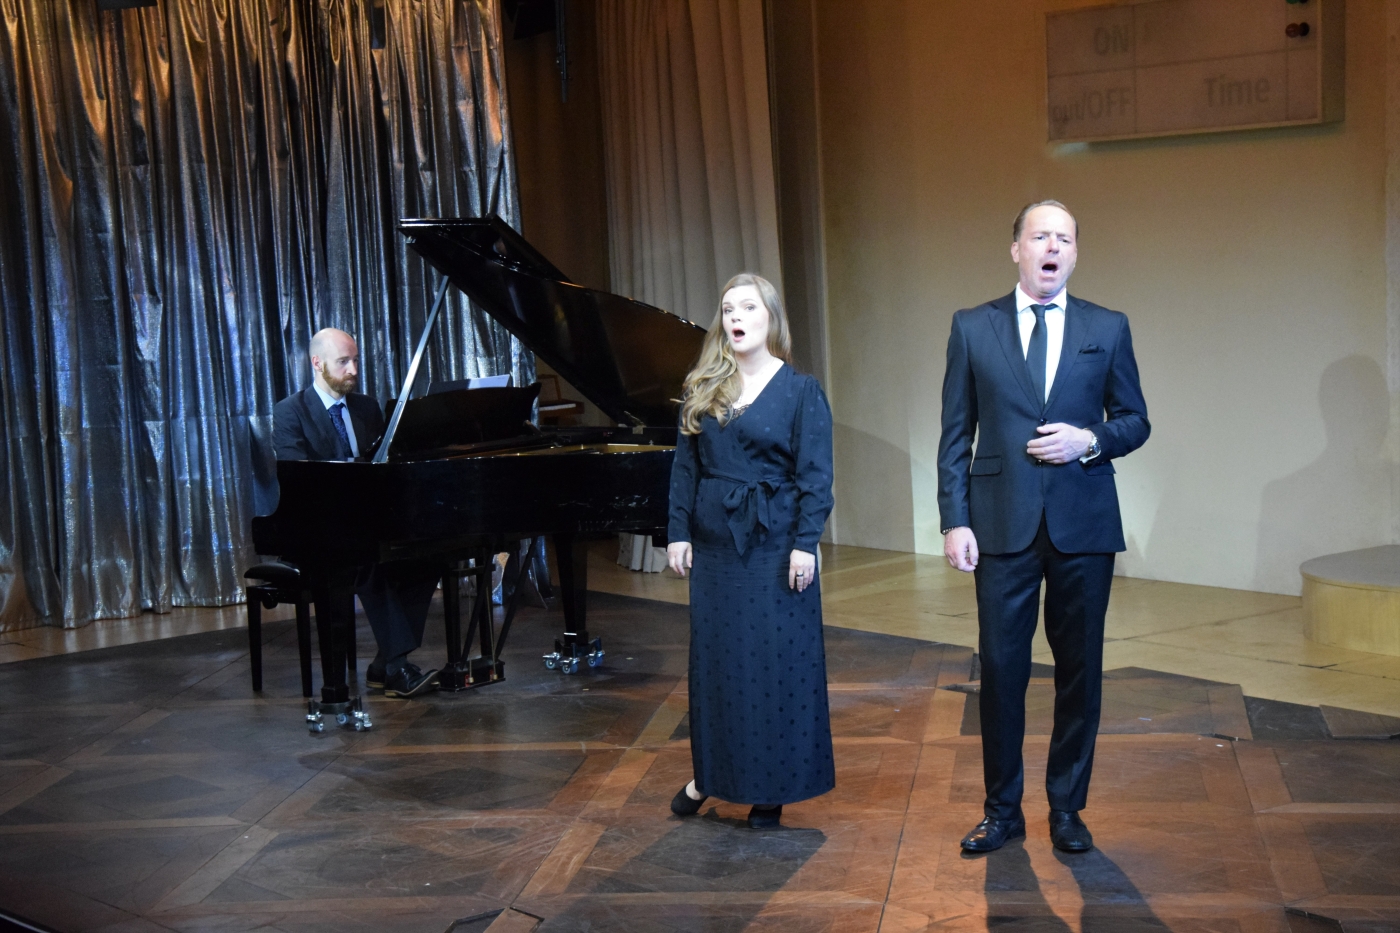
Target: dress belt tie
{"x": 748, "y": 505}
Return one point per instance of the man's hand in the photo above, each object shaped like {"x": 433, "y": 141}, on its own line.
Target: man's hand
{"x": 960, "y": 547}
{"x": 1059, "y": 443}
{"x": 802, "y": 569}
{"x": 678, "y": 555}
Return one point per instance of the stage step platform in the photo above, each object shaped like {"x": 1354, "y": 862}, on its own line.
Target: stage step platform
{"x": 1352, "y": 600}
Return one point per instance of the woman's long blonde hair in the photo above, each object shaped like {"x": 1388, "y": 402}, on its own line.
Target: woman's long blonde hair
{"x": 714, "y": 384}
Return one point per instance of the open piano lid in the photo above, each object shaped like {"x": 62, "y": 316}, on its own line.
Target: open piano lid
{"x": 628, "y": 358}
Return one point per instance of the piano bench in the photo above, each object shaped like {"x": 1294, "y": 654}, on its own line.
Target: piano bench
{"x": 278, "y": 582}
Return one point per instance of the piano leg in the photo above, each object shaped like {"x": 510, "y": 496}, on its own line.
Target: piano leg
{"x": 572, "y": 554}
{"x": 462, "y": 672}
{"x": 334, "y": 597}
{"x": 448, "y": 677}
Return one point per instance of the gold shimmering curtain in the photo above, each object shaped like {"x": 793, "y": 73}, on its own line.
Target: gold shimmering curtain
{"x": 187, "y": 193}
{"x": 688, "y": 149}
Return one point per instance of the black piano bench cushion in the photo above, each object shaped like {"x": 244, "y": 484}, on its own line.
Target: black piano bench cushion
{"x": 279, "y": 574}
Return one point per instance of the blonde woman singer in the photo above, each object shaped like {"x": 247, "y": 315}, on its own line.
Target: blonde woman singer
{"x": 750, "y": 494}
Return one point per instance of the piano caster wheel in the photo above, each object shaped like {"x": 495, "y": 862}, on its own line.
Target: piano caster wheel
{"x": 569, "y": 665}
{"x": 349, "y": 715}
{"x": 595, "y": 658}
{"x": 313, "y": 718}
{"x": 359, "y": 718}
{"x": 551, "y": 661}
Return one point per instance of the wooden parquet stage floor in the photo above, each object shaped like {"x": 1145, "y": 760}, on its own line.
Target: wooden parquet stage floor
{"x": 145, "y": 788}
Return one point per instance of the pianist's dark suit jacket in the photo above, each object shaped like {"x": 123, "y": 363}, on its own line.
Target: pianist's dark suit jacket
{"x": 302, "y": 427}
{"x": 1001, "y": 491}
{"x": 395, "y": 597}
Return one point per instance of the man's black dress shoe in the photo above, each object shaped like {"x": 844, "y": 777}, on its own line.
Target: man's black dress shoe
{"x": 409, "y": 681}
{"x": 765, "y": 817}
{"x": 685, "y": 805}
{"x": 991, "y": 834}
{"x": 1068, "y": 832}
{"x": 374, "y": 676}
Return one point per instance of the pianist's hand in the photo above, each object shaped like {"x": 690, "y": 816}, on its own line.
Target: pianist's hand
{"x": 678, "y": 555}
{"x": 802, "y": 569}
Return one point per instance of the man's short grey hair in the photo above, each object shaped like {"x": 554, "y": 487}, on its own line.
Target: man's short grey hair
{"x": 1020, "y": 221}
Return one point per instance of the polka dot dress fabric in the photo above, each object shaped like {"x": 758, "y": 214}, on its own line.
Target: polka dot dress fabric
{"x": 745, "y": 495}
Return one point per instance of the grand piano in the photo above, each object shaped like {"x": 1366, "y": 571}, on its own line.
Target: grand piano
{"x": 463, "y": 474}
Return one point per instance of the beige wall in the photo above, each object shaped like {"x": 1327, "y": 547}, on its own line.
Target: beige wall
{"x": 1252, "y": 267}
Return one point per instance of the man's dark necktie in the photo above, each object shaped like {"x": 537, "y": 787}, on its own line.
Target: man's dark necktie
{"x": 1035, "y": 353}
{"x": 348, "y": 453}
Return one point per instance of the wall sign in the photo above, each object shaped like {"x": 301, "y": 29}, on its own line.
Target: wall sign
{"x": 1167, "y": 67}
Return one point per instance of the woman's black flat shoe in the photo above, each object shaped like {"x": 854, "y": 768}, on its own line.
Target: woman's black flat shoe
{"x": 684, "y": 805}
{"x": 765, "y": 817}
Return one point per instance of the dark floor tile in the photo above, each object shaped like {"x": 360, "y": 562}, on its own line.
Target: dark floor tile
{"x": 24, "y": 734}
{"x": 123, "y": 790}
{"x": 126, "y": 674}
{"x": 1135, "y": 702}
{"x": 1352, "y": 724}
{"x": 107, "y": 866}
{"x": 482, "y": 781}
{"x": 586, "y": 917}
{"x": 1275, "y": 719}
{"x": 697, "y": 854}
{"x": 1356, "y": 857}
{"x": 1341, "y": 772}
{"x": 1148, "y": 775}
{"x": 568, "y": 715}
{"x": 348, "y": 920}
{"x": 390, "y": 861}
{"x": 864, "y": 657}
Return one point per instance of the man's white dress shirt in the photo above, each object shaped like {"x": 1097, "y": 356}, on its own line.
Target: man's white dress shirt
{"x": 328, "y": 400}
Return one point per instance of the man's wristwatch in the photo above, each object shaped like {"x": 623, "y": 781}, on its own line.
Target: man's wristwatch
{"x": 1094, "y": 448}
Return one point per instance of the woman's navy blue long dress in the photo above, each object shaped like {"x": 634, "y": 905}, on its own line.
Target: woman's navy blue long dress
{"x": 745, "y": 495}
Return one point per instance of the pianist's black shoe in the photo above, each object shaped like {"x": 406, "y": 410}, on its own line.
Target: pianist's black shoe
{"x": 685, "y": 805}
{"x": 374, "y": 675}
{"x": 409, "y": 681}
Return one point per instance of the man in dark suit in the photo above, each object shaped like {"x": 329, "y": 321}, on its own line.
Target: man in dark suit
{"x": 331, "y": 421}
{"x": 1048, "y": 386}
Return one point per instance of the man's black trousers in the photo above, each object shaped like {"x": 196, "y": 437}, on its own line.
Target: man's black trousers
{"x": 396, "y": 599}
{"x": 1008, "y": 604}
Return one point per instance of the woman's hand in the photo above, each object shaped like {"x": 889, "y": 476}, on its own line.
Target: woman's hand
{"x": 678, "y": 555}
{"x": 802, "y": 570}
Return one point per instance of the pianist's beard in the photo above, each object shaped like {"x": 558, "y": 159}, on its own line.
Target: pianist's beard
{"x": 344, "y": 385}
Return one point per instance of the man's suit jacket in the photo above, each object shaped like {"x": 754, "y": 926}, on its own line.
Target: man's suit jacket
{"x": 302, "y": 428}
{"x": 1001, "y": 491}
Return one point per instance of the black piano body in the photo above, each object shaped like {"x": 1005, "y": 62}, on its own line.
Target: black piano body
{"x": 462, "y": 474}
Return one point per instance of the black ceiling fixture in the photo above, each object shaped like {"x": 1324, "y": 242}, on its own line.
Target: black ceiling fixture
{"x": 533, "y": 17}
{"x": 123, "y": 4}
